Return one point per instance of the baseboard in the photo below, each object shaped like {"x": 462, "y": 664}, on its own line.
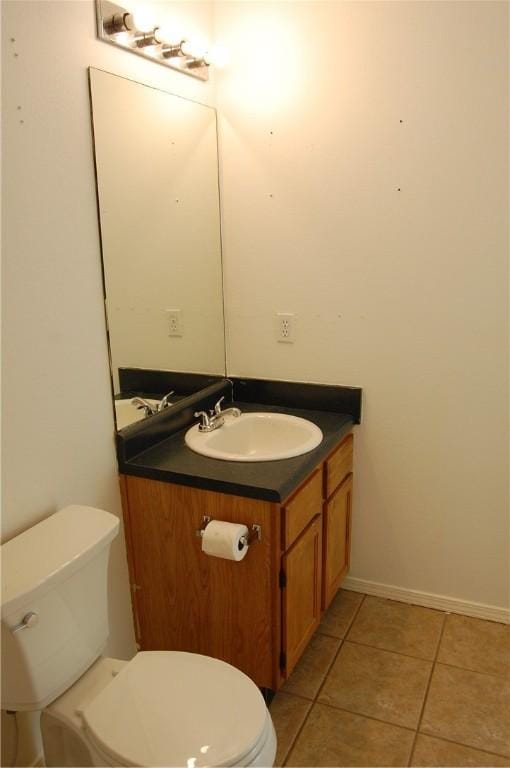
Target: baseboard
{"x": 428, "y": 600}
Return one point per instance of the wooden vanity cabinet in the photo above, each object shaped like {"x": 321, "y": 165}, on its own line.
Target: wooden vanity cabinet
{"x": 260, "y": 613}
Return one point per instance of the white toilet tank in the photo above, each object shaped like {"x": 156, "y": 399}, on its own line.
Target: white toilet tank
{"x": 54, "y": 604}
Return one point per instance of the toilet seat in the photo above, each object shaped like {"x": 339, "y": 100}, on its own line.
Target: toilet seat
{"x": 168, "y": 708}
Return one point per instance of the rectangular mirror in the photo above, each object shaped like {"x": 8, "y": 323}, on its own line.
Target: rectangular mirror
{"x": 156, "y": 160}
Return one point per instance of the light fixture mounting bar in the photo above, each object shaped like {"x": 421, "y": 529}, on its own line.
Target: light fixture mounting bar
{"x": 113, "y": 27}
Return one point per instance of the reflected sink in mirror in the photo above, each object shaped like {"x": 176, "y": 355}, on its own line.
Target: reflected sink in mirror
{"x": 126, "y": 413}
{"x": 256, "y": 437}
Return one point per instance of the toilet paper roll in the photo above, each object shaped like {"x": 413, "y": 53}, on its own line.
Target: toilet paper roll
{"x": 221, "y": 539}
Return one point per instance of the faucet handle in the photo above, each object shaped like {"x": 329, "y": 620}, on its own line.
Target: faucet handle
{"x": 163, "y": 403}
{"x": 205, "y": 422}
{"x": 217, "y": 407}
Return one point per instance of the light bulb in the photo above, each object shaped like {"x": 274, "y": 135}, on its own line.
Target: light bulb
{"x": 194, "y": 48}
{"x": 124, "y": 38}
{"x": 143, "y": 20}
{"x": 217, "y": 56}
{"x": 168, "y": 35}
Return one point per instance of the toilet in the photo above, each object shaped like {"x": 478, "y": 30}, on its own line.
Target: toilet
{"x": 162, "y": 708}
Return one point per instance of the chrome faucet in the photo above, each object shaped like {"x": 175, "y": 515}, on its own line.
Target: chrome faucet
{"x": 140, "y": 403}
{"x": 205, "y": 423}
{"x": 149, "y": 408}
{"x": 216, "y": 418}
{"x": 227, "y": 412}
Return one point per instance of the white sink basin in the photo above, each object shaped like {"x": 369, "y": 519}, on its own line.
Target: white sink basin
{"x": 256, "y": 437}
{"x": 126, "y": 413}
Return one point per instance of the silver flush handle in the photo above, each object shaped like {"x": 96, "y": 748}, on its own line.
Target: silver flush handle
{"x": 29, "y": 620}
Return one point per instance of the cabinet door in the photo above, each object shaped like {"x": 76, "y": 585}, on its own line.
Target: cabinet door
{"x": 301, "y": 595}
{"x": 337, "y": 527}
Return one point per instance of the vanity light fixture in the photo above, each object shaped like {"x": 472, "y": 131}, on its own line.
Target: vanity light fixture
{"x": 122, "y": 21}
{"x": 171, "y": 49}
{"x": 119, "y": 23}
{"x": 146, "y": 39}
{"x": 139, "y": 33}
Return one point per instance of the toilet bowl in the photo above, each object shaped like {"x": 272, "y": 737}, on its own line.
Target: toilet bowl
{"x": 162, "y": 708}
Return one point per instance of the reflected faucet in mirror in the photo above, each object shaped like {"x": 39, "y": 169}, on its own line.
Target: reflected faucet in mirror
{"x": 149, "y": 407}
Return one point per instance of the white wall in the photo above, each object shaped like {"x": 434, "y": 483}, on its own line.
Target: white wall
{"x": 364, "y": 153}
{"x": 403, "y": 293}
{"x": 57, "y": 412}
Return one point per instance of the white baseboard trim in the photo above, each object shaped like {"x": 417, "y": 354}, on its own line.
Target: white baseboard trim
{"x": 428, "y": 600}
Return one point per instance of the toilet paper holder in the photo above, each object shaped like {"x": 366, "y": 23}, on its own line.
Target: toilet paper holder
{"x": 255, "y": 534}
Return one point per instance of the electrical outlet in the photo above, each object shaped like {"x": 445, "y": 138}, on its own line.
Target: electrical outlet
{"x": 174, "y": 322}
{"x": 285, "y": 327}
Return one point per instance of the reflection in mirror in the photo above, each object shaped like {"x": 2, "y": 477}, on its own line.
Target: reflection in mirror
{"x": 157, "y": 184}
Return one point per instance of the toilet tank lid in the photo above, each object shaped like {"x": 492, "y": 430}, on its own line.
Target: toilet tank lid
{"x": 52, "y": 550}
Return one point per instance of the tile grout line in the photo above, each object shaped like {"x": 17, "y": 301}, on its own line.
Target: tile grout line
{"x": 388, "y": 650}
{"x": 497, "y": 675}
{"x": 343, "y": 640}
{"x": 465, "y": 746}
{"x": 314, "y": 700}
{"x": 427, "y": 689}
{"x": 366, "y": 717}
{"x": 474, "y": 671}
{"x": 296, "y": 695}
{"x": 298, "y": 732}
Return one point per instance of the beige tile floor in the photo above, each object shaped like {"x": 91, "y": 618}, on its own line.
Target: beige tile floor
{"x": 389, "y": 684}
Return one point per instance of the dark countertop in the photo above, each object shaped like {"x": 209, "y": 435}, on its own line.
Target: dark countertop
{"x": 173, "y": 462}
